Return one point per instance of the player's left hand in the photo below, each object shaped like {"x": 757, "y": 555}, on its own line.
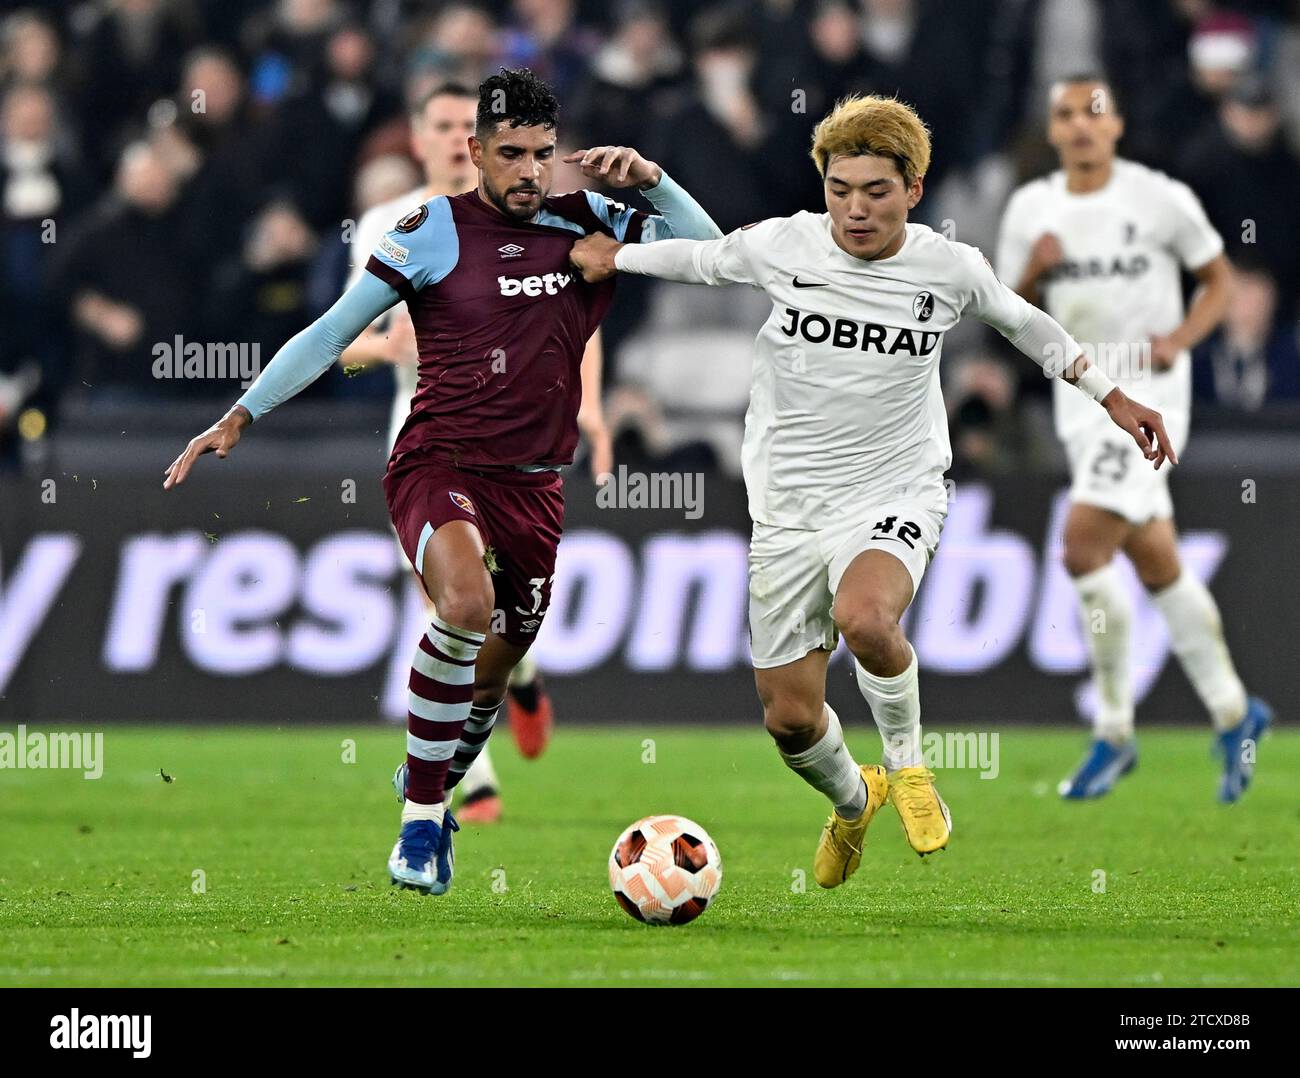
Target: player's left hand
{"x": 619, "y": 166}
{"x": 1143, "y": 424}
{"x": 1164, "y": 352}
{"x": 593, "y": 256}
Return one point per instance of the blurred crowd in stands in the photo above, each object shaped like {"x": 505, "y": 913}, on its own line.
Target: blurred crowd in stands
{"x": 189, "y": 167}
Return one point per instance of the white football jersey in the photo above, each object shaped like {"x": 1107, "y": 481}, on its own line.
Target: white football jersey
{"x": 845, "y": 409}
{"x": 374, "y": 223}
{"x": 1120, "y": 282}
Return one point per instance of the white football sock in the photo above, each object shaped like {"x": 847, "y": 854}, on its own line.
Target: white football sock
{"x": 413, "y": 810}
{"x": 1107, "y": 612}
{"x": 480, "y": 776}
{"x": 828, "y": 768}
{"x": 1196, "y": 636}
{"x": 895, "y": 704}
{"x": 525, "y": 671}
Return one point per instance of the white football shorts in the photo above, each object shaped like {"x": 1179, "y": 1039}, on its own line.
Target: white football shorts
{"x": 1108, "y": 471}
{"x": 794, "y": 573}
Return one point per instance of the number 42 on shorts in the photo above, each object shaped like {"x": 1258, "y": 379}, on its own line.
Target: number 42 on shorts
{"x": 908, "y": 531}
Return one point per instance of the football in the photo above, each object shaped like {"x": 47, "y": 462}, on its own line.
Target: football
{"x": 665, "y": 870}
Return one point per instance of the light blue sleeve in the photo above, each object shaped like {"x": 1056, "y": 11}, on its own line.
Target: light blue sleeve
{"x": 421, "y": 248}
{"x": 307, "y": 355}
{"x": 680, "y": 216}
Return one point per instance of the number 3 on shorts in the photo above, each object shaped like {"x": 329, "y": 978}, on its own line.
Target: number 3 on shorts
{"x": 537, "y": 582}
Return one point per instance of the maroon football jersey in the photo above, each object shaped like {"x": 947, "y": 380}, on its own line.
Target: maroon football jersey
{"x": 501, "y": 321}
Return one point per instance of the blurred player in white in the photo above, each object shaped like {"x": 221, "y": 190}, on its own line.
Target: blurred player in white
{"x": 1100, "y": 245}
{"x": 846, "y": 445}
{"x": 441, "y": 122}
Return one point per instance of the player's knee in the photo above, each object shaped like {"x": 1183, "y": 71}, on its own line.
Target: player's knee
{"x": 489, "y": 689}
{"x": 467, "y": 607}
{"x": 1083, "y": 562}
{"x": 789, "y": 719}
{"x": 868, "y": 631}
{"x": 1081, "y": 558}
{"x": 1156, "y": 574}
{"x": 489, "y": 686}
{"x": 1083, "y": 551}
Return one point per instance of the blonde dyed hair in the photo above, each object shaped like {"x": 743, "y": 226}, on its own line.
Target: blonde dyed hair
{"x": 879, "y": 126}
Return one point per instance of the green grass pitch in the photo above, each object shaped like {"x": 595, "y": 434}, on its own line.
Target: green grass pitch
{"x": 97, "y": 881}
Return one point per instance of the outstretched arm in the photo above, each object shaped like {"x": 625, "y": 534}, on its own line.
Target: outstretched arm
{"x": 294, "y": 367}
{"x": 307, "y": 355}
{"x": 717, "y": 262}
{"x": 679, "y": 217}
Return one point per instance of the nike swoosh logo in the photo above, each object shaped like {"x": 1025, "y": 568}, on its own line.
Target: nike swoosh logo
{"x": 808, "y": 284}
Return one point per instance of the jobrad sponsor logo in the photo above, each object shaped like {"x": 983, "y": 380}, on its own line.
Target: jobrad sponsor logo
{"x": 867, "y": 336}
{"x": 1128, "y": 266}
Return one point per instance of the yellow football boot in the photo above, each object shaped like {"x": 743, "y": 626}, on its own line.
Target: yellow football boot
{"x": 926, "y": 820}
{"x": 840, "y": 850}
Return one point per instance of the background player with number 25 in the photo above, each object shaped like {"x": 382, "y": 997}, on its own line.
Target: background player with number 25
{"x": 1100, "y": 245}
{"x": 846, "y": 445}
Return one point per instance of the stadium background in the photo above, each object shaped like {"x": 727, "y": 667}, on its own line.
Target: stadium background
{"x": 267, "y": 588}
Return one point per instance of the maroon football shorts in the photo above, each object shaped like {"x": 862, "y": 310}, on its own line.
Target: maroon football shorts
{"x": 520, "y": 516}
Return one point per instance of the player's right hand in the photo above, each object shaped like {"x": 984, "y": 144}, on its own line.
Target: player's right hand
{"x": 593, "y": 256}
{"x": 220, "y": 438}
{"x": 1144, "y": 425}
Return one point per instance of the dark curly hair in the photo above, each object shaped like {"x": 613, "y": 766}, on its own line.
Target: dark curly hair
{"x": 519, "y": 97}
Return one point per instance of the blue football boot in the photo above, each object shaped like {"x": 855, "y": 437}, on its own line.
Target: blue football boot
{"x": 423, "y": 858}
{"x": 1097, "y": 774}
{"x": 1239, "y": 746}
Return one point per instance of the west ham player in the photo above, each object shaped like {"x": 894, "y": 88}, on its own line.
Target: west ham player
{"x": 1100, "y": 245}
{"x": 846, "y": 443}
{"x": 441, "y": 122}
{"x": 473, "y": 484}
